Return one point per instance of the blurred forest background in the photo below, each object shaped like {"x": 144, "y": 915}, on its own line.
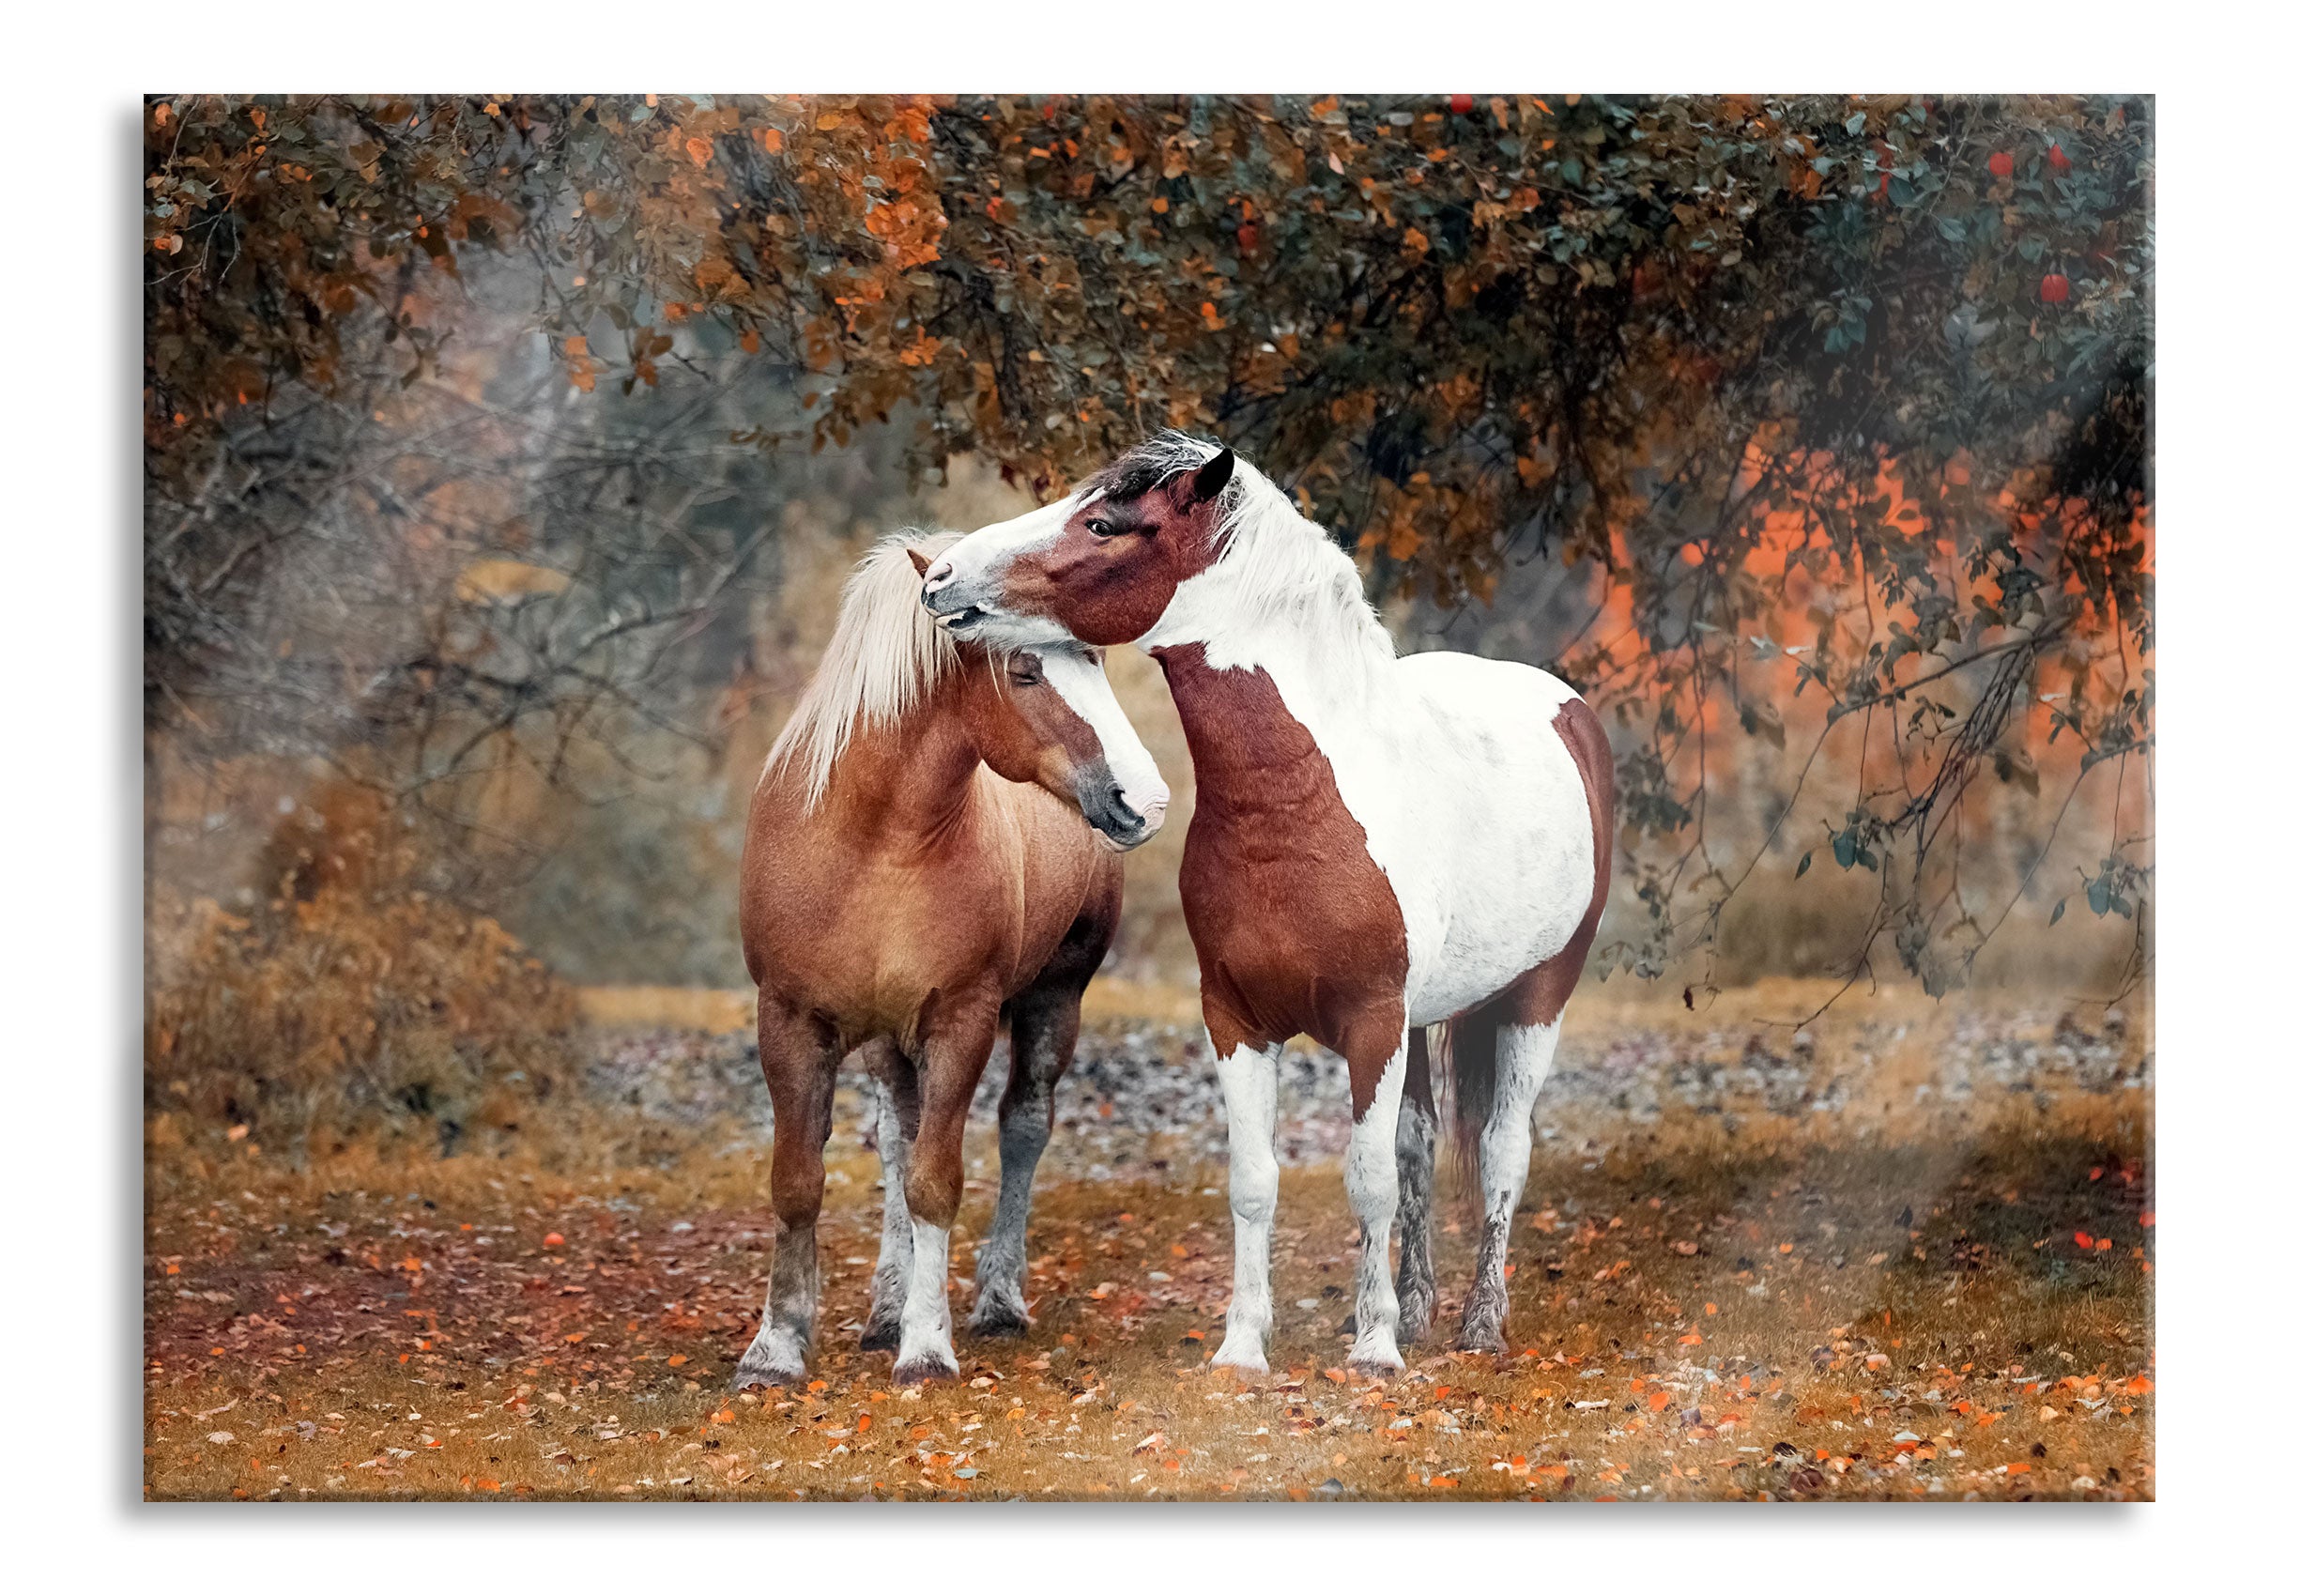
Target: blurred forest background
{"x": 503, "y": 457}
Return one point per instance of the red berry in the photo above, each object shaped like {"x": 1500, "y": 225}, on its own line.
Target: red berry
{"x": 2054, "y": 289}
{"x": 2000, "y": 163}
{"x": 1460, "y": 105}
{"x": 1247, "y": 235}
{"x": 2057, "y": 159}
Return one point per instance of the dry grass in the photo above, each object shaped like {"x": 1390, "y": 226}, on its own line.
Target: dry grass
{"x": 1885, "y": 1301}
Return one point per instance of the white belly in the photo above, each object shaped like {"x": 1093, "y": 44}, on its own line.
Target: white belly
{"x": 1484, "y": 829}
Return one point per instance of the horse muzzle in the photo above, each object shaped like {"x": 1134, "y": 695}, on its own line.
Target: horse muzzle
{"x": 1119, "y": 825}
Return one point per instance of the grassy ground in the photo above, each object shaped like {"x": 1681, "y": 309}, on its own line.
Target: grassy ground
{"x": 1891, "y": 1283}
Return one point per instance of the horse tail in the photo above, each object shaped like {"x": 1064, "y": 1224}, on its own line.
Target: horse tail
{"x": 1467, "y": 1059}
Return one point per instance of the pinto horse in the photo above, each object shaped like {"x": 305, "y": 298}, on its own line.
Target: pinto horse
{"x": 1380, "y": 845}
{"x": 916, "y": 873}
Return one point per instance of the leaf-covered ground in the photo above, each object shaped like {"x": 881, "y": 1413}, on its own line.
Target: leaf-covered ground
{"x": 1901, "y": 1254}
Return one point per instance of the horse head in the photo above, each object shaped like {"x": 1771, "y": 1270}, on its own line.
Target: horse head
{"x": 1100, "y": 566}
{"x": 1044, "y": 713}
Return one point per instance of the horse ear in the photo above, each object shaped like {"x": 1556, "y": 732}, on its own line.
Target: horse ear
{"x": 1207, "y": 481}
{"x": 918, "y": 558}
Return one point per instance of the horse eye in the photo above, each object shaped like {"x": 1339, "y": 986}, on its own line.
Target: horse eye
{"x": 1022, "y": 676}
{"x": 1098, "y": 527}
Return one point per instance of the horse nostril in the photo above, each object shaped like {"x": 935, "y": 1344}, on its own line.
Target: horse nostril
{"x": 939, "y": 575}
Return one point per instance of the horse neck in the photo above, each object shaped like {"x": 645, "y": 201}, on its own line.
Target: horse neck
{"x": 1324, "y": 666}
{"x": 1261, "y": 703}
{"x": 907, "y": 781}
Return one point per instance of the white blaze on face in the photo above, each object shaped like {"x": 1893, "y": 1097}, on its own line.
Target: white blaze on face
{"x": 1077, "y": 674}
{"x": 969, "y": 577}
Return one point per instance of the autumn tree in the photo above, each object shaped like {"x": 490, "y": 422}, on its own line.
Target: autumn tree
{"x": 1835, "y": 400}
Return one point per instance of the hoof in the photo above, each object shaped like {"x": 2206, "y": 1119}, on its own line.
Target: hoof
{"x": 882, "y": 1336}
{"x": 1377, "y": 1367}
{"x": 756, "y": 1370}
{"x": 925, "y": 1370}
{"x": 1482, "y": 1330}
{"x": 1239, "y": 1354}
{"x": 996, "y": 1320}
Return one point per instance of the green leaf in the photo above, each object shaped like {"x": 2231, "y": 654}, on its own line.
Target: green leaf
{"x": 1804, "y": 863}
{"x": 2058, "y": 909}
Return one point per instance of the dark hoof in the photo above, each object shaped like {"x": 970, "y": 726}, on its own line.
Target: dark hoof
{"x": 883, "y": 1336}
{"x": 923, "y": 1371}
{"x": 1349, "y": 1325}
{"x": 1482, "y": 1334}
{"x": 999, "y": 1322}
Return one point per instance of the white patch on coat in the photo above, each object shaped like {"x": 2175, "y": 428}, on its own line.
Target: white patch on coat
{"x": 1249, "y": 1095}
{"x": 1076, "y": 673}
{"x": 1472, "y": 804}
{"x": 971, "y": 571}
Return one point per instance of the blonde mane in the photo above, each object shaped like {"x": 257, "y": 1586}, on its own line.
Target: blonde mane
{"x": 886, "y": 656}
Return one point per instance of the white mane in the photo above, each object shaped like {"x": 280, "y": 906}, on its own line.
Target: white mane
{"x": 886, "y": 655}
{"x": 1284, "y": 569}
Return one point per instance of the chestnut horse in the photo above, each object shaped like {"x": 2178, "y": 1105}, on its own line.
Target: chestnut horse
{"x": 1379, "y": 844}
{"x": 916, "y": 873}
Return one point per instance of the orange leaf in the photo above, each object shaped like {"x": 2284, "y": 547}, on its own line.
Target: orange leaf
{"x": 698, "y": 151}
{"x": 676, "y": 1359}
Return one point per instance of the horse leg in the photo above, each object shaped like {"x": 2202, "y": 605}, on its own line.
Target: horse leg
{"x": 1417, "y": 1177}
{"x": 1249, "y": 1093}
{"x": 1370, "y": 1174}
{"x": 1045, "y": 1032}
{"x": 1522, "y": 1055}
{"x": 801, "y": 1062}
{"x": 897, "y": 1111}
{"x": 954, "y": 1055}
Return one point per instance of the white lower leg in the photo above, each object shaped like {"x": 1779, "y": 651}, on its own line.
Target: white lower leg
{"x": 926, "y": 1350}
{"x": 1249, "y": 1093}
{"x": 1369, "y": 1172}
{"x": 777, "y": 1354}
{"x": 1522, "y": 1055}
{"x": 890, "y": 1283}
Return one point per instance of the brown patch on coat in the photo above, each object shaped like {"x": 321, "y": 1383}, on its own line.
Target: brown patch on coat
{"x": 1297, "y": 929}
{"x": 1112, "y": 571}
